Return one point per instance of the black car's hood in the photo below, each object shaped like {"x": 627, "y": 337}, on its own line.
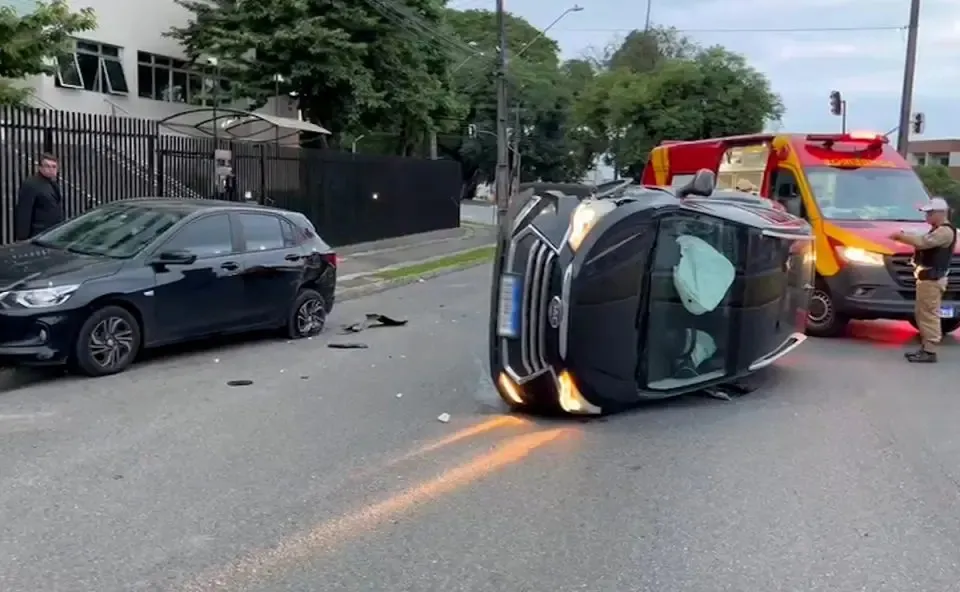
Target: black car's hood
{"x": 35, "y": 266}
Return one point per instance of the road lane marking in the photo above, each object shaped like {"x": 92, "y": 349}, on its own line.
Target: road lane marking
{"x": 326, "y": 536}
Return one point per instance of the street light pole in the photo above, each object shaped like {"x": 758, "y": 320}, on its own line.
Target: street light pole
{"x": 277, "y": 79}
{"x": 502, "y": 181}
{"x": 543, "y": 32}
{"x": 909, "y": 68}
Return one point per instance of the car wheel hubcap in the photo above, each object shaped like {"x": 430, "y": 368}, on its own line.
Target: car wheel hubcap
{"x": 111, "y": 342}
{"x": 311, "y": 317}
{"x": 821, "y": 309}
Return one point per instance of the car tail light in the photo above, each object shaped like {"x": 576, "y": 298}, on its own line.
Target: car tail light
{"x": 330, "y": 258}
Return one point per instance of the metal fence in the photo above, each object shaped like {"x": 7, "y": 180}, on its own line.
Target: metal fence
{"x": 349, "y": 197}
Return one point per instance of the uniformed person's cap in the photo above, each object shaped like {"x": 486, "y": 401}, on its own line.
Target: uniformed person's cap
{"x": 937, "y": 204}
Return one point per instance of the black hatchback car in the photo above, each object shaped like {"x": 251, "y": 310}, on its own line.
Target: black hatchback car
{"x": 96, "y": 290}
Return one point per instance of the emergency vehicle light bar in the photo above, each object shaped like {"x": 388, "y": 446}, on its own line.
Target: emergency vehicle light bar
{"x": 856, "y": 137}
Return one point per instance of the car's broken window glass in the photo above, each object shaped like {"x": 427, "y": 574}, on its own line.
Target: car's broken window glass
{"x": 689, "y": 316}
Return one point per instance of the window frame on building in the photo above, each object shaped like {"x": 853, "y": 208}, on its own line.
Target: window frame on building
{"x": 939, "y": 158}
{"x": 180, "y": 78}
{"x": 108, "y": 74}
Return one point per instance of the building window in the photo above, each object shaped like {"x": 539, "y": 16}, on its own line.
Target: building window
{"x": 921, "y": 159}
{"x": 93, "y": 66}
{"x": 939, "y": 158}
{"x": 167, "y": 79}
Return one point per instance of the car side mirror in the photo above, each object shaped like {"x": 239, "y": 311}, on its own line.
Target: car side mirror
{"x": 174, "y": 258}
{"x": 702, "y": 184}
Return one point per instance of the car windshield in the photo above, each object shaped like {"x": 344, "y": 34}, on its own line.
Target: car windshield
{"x": 867, "y": 193}
{"x": 117, "y": 230}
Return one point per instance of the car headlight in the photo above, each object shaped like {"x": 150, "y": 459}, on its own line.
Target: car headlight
{"x": 41, "y": 297}
{"x": 584, "y": 217}
{"x": 859, "y": 256}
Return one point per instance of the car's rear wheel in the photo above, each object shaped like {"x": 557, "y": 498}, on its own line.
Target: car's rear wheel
{"x": 107, "y": 343}
{"x": 823, "y": 318}
{"x": 947, "y": 326}
{"x": 308, "y": 315}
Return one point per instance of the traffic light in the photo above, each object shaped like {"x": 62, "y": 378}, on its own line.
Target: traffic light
{"x": 836, "y": 103}
{"x": 918, "y": 123}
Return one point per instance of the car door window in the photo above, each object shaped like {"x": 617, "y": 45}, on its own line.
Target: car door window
{"x": 262, "y": 232}
{"x": 695, "y": 267}
{"x": 207, "y": 237}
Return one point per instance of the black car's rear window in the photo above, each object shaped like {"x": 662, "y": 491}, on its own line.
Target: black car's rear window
{"x": 118, "y": 230}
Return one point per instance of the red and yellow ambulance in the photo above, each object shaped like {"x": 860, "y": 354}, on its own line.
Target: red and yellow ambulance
{"x": 854, "y": 189}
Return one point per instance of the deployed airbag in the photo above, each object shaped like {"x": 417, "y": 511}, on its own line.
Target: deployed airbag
{"x": 703, "y": 275}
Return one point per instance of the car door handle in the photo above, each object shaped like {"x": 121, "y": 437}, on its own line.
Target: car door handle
{"x": 230, "y": 266}
{"x": 293, "y": 257}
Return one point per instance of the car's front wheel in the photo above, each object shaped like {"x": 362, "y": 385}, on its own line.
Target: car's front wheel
{"x": 823, "y": 319}
{"x": 107, "y": 343}
{"x": 308, "y": 315}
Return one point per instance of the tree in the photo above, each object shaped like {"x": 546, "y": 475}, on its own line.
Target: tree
{"x": 30, "y": 43}
{"x": 354, "y": 66}
{"x": 937, "y": 180}
{"x": 541, "y": 97}
{"x": 660, "y": 86}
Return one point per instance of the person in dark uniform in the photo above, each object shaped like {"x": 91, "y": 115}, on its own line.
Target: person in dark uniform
{"x": 934, "y": 252}
{"x": 40, "y": 202}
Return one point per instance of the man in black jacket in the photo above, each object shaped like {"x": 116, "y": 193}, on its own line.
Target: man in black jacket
{"x": 40, "y": 203}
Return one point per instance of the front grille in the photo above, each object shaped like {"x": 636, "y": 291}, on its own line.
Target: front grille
{"x": 537, "y": 272}
{"x": 901, "y": 269}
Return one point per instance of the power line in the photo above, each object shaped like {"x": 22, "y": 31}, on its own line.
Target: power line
{"x": 752, "y": 30}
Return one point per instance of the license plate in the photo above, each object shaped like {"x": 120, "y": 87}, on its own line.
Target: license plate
{"x": 946, "y": 312}
{"x": 508, "y": 313}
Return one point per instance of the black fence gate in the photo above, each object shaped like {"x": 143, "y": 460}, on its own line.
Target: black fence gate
{"x": 349, "y": 197}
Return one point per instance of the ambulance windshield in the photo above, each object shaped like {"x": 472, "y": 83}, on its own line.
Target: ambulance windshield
{"x": 867, "y": 193}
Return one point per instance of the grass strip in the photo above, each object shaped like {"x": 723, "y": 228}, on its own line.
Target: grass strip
{"x": 462, "y": 259}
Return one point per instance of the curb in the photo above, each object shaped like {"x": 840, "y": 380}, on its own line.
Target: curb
{"x": 384, "y": 285}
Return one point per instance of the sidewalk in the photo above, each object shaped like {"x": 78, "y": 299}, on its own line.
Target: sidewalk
{"x": 360, "y": 263}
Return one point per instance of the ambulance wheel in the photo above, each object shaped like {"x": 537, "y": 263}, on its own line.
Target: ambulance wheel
{"x": 823, "y": 318}
{"x": 947, "y": 326}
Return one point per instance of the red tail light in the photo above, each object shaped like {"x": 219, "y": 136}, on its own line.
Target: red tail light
{"x": 330, "y": 258}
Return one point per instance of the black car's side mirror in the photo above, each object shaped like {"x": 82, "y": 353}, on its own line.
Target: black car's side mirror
{"x": 173, "y": 258}
{"x": 702, "y": 184}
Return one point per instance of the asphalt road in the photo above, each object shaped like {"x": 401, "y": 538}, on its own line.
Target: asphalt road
{"x": 839, "y": 474}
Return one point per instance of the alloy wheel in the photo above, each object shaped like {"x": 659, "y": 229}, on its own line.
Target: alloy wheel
{"x": 311, "y": 317}
{"x": 111, "y": 342}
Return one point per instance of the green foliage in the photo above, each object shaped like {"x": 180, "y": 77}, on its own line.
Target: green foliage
{"x": 396, "y": 73}
{"x": 659, "y": 85}
{"x": 352, "y": 67}
{"x": 31, "y": 42}
{"x": 937, "y": 180}
{"x": 541, "y": 96}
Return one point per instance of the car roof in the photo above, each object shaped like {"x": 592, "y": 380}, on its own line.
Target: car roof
{"x": 191, "y": 206}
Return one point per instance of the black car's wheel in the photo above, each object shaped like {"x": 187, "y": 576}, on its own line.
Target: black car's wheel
{"x": 108, "y": 342}
{"x": 307, "y": 316}
{"x": 947, "y": 326}
{"x": 823, "y": 319}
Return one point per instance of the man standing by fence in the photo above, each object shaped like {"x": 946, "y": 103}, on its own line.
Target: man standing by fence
{"x": 40, "y": 202}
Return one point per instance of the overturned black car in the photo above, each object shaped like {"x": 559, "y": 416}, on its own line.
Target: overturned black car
{"x": 625, "y": 293}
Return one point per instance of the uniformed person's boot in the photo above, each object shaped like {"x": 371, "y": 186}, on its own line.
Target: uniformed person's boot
{"x": 921, "y": 356}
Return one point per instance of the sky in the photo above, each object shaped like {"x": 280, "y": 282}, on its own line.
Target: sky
{"x": 865, "y": 65}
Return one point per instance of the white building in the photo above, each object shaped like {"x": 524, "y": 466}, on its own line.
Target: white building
{"x": 127, "y": 67}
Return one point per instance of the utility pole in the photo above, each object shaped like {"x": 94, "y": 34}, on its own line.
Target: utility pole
{"x": 909, "y": 67}
{"x": 502, "y": 182}
{"x": 515, "y": 181}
